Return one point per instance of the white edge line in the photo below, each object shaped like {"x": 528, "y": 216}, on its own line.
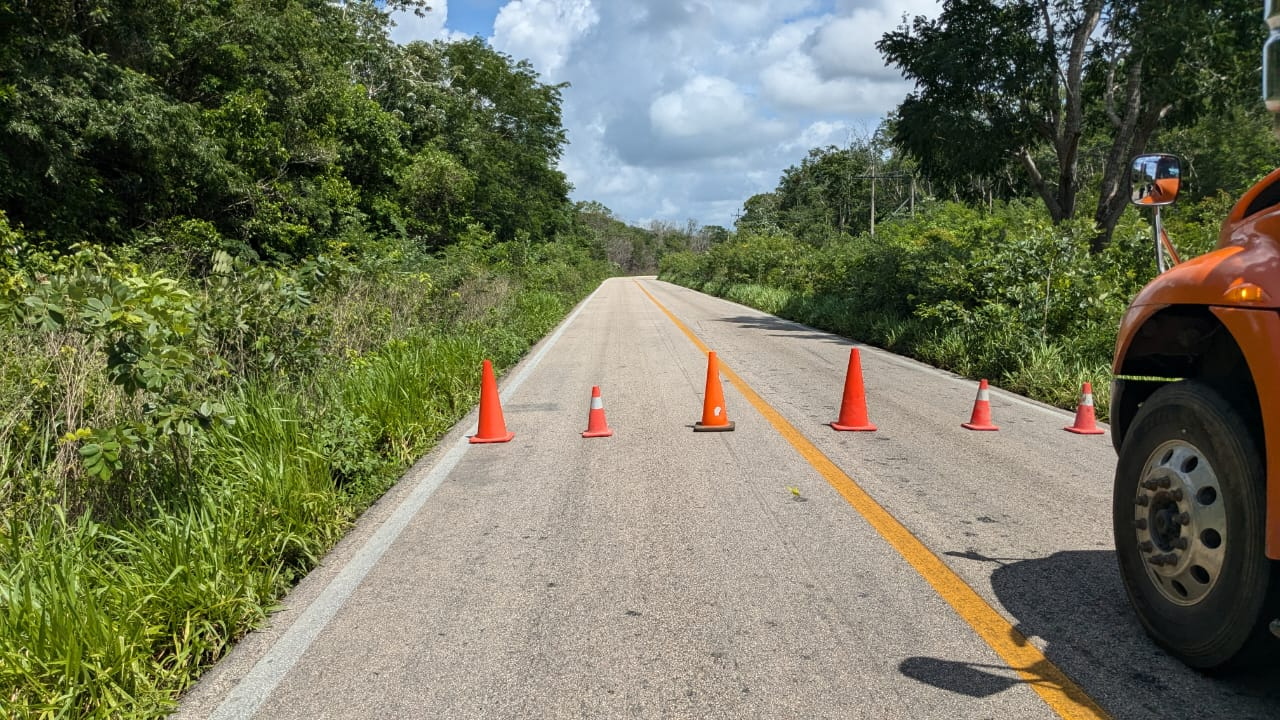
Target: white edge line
{"x": 253, "y": 690}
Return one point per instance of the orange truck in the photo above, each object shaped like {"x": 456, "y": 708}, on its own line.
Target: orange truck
{"x": 1195, "y": 419}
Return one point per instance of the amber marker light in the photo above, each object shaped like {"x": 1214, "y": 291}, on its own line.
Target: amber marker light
{"x": 1245, "y": 293}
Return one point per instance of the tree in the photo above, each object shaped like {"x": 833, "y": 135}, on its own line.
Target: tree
{"x": 1223, "y": 153}
{"x": 825, "y": 192}
{"x": 608, "y": 232}
{"x": 759, "y": 214}
{"x": 1052, "y": 73}
{"x": 505, "y": 127}
{"x": 833, "y": 191}
{"x": 280, "y": 129}
{"x": 121, "y": 117}
{"x": 709, "y": 236}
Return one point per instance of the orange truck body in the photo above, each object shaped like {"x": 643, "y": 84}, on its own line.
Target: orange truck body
{"x": 1239, "y": 284}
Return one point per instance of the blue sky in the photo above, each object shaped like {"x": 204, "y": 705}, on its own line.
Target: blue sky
{"x": 680, "y": 110}
{"x": 473, "y": 17}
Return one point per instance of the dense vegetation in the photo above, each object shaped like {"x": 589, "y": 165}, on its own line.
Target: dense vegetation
{"x": 252, "y": 254}
{"x": 952, "y": 233}
{"x": 251, "y": 257}
{"x": 1064, "y": 89}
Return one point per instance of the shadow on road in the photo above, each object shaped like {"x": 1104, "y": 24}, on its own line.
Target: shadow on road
{"x": 1075, "y": 603}
{"x": 972, "y": 679}
{"x": 791, "y": 329}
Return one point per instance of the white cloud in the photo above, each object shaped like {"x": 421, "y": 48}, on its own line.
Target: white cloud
{"x": 831, "y": 63}
{"x": 702, "y": 106}
{"x": 846, "y": 47}
{"x": 543, "y": 31}
{"x": 797, "y": 83}
{"x": 820, "y": 134}
{"x": 409, "y": 27}
{"x": 682, "y": 109}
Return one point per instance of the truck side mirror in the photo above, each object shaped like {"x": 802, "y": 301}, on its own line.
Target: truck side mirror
{"x": 1154, "y": 180}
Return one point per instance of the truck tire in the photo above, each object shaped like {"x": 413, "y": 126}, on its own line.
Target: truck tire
{"x": 1189, "y": 517}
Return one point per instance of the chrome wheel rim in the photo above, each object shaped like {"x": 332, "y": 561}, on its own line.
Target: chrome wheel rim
{"x": 1180, "y": 522}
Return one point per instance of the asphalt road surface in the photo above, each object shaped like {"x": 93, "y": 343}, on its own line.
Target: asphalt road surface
{"x": 782, "y": 570}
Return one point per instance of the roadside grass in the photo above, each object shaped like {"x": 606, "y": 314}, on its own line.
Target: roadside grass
{"x": 110, "y": 609}
{"x": 1040, "y": 369}
{"x": 411, "y": 392}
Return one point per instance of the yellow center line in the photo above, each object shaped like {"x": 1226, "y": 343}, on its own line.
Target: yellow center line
{"x": 1054, "y": 687}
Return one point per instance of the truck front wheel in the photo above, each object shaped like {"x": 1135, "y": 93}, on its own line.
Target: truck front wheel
{"x": 1189, "y": 519}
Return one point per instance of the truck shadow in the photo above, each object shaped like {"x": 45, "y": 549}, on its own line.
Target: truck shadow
{"x": 1074, "y": 603}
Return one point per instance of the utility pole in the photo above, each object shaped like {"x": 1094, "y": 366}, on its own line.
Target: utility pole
{"x": 874, "y": 178}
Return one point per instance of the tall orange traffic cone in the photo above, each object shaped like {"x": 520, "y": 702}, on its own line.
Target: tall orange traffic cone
{"x": 714, "y": 416}
{"x": 853, "y": 406}
{"x": 981, "y": 418}
{"x": 596, "y": 425}
{"x": 492, "y": 429}
{"x": 1084, "y": 423}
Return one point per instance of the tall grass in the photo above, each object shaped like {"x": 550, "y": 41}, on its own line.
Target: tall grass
{"x": 109, "y": 614}
{"x": 413, "y": 390}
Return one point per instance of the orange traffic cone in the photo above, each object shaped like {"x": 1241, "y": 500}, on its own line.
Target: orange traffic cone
{"x": 981, "y": 418}
{"x": 1084, "y": 423}
{"x": 491, "y": 429}
{"x": 853, "y": 406}
{"x": 714, "y": 416}
{"x": 596, "y": 425}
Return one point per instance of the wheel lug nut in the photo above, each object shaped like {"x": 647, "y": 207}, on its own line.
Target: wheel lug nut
{"x": 1176, "y": 494}
{"x": 1146, "y": 546}
{"x": 1183, "y": 518}
{"x": 1163, "y": 559}
{"x": 1181, "y": 543}
{"x": 1150, "y": 484}
{"x": 1143, "y": 500}
{"x": 1140, "y": 523}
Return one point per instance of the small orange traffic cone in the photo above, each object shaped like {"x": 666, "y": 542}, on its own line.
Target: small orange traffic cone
{"x": 596, "y": 425}
{"x": 981, "y": 418}
{"x": 492, "y": 428}
{"x": 714, "y": 417}
{"x": 853, "y": 406}
{"x": 1084, "y": 423}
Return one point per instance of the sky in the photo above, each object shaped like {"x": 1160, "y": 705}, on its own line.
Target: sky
{"x": 680, "y": 110}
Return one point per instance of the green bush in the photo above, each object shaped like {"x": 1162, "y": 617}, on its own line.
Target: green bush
{"x": 178, "y": 451}
{"x": 1004, "y": 294}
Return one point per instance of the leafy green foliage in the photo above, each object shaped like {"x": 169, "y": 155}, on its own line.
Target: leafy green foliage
{"x": 251, "y": 254}
{"x": 111, "y": 614}
{"x": 1007, "y": 295}
{"x": 977, "y": 103}
{"x": 1054, "y": 74}
{"x": 289, "y": 128}
{"x": 503, "y": 124}
{"x": 832, "y": 190}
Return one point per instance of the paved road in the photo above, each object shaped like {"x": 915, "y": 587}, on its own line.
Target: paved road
{"x": 663, "y": 573}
